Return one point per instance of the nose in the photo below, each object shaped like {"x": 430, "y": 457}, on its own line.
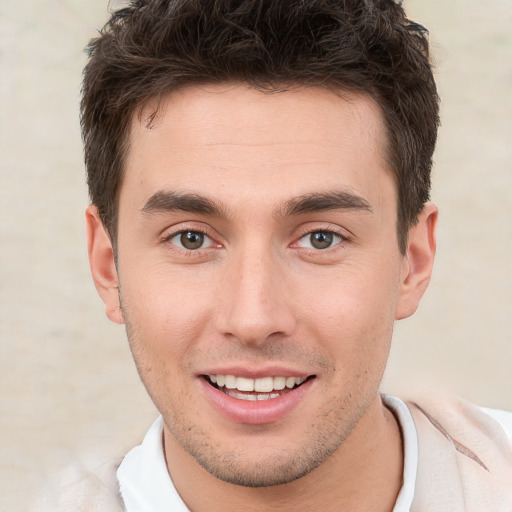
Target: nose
{"x": 254, "y": 303}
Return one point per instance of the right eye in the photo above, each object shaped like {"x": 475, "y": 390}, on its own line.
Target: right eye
{"x": 190, "y": 240}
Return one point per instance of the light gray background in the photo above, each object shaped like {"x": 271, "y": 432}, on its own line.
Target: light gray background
{"x": 68, "y": 389}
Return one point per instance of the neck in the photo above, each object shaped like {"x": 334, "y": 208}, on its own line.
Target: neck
{"x": 365, "y": 473}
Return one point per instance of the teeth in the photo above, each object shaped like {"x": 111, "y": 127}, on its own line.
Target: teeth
{"x": 264, "y": 385}
{"x": 243, "y": 384}
{"x": 290, "y": 382}
{"x": 230, "y": 382}
{"x": 261, "y": 385}
{"x": 279, "y": 382}
{"x": 252, "y": 398}
{"x": 240, "y": 396}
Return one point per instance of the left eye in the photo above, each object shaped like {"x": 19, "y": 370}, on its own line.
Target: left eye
{"x": 320, "y": 240}
{"x": 191, "y": 240}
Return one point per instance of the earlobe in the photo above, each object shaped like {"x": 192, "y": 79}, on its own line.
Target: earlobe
{"x": 102, "y": 263}
{"x": 418, "y": 262}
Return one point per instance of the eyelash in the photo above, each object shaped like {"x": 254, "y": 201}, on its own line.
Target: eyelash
{"x": 327, "y": 230}
{"x": 167, "y": 239}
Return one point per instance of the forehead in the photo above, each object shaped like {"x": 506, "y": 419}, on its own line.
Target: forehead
{"x": 193, "y": 110}
{"x": 232, "y": 137}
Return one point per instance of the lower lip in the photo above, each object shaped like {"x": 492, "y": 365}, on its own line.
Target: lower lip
{"x": 255, "y": 412}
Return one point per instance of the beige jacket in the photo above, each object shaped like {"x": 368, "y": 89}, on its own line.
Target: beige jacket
{"x": 465, "y": 465}
{"x": 465, "y": 458}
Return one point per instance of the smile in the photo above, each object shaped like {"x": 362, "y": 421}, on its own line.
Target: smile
{"x": 264, "y": 388}
{"x": 257, "y": 401}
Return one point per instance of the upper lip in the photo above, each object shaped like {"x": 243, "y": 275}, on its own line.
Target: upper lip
{"x": 255, "y": 373}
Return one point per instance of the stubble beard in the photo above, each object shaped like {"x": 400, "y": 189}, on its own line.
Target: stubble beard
{"x": 281, "y": 467}
{"x": 325, "y": 434}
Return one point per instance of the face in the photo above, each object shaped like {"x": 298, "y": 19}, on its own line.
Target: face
{"x": 259, "y": 274}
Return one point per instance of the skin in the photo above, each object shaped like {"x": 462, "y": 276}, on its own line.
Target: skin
{"x": 257, "y": 295}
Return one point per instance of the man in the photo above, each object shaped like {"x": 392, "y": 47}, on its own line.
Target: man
{"x": 259, "y": 174}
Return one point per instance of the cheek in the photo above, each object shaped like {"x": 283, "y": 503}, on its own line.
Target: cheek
{"x": 163, "y": 327}
{"x": 353, "y": 313}
{"x": 165, "y": 315}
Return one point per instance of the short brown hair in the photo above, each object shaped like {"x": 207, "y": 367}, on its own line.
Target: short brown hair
{"x": 152, "y": 47}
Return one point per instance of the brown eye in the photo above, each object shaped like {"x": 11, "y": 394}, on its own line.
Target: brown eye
{"x": 190, "y": 240}
{"x": 320, "y": 240}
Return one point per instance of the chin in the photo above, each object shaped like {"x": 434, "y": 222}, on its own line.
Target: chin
{"x": 274, "y": 470}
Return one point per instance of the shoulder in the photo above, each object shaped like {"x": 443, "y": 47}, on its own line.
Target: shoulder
{"x": 504, "y": 418}
{"x": 82, "y": 488}
{"x": 457, "y": 418}
{"x": 464, "y": 455}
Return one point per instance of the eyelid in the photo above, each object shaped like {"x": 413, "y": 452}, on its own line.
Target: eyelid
{"x": 334, "y": 244}
{"x": 184, "y": 227}
{"x": 174, "y": 240}
{"x": 309, "y": 229}
{"x": 325, "y": 228}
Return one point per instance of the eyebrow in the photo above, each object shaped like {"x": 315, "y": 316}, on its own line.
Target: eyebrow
{"x": 169, "y": 201}
{"x": 324, "y": 201}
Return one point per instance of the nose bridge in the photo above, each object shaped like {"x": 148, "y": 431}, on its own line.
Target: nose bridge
{"x": 255, "y": 305}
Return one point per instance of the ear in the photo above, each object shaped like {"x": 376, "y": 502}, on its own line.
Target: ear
{"x": 102, "y": 263}
{"x": 418, "y": 262}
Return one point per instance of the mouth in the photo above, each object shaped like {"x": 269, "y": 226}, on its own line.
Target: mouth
{"x": 260, "y": 389}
